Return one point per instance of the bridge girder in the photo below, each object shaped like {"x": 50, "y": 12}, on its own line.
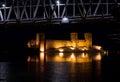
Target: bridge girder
{"x": 13, "y": 11}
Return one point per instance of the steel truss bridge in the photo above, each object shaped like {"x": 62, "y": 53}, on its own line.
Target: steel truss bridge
{"x": 28, "y": 11}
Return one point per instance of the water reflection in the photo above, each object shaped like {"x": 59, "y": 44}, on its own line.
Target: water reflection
{"x": 4, "y": 71}
{"x": 62, "y": 67}
{"x": 66, "y": 67}
{"x": 65, "y": 57}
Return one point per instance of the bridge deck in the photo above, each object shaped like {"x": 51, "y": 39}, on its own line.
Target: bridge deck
{"x": 29, "y": 11}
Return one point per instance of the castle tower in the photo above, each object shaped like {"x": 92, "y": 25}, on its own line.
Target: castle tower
{"x": 74, "y": 38}
{"x": 88, "y": 39}
{"x": 37, "y": 40}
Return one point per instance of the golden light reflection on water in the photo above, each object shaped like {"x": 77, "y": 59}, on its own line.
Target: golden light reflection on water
{"x": 71, "y": 58}
{"x": 98, "y": 57}
{"x": 83, "y": 55}
{"x": 28, "y": 59}
{"x": 79, "y": 66}
{"x": 65, "y": 57}
{"x": 61, "y": 54}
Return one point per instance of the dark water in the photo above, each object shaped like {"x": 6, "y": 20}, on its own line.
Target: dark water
{"x": 62, "y": 67}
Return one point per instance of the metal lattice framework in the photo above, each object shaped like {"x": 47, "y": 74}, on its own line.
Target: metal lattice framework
{"x": 54, "y": 10}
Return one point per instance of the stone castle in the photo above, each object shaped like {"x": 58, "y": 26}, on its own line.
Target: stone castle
{"x": 73, "y": 43}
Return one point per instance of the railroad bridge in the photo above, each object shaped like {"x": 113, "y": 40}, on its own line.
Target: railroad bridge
{"x": 56, "y": 11}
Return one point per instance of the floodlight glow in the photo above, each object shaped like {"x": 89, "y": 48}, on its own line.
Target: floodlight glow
{"x": 65, "y": 20}
{"x": 3, "y": 5}
{"x": 61, "y": 50}
{"x": 58, "y": 2}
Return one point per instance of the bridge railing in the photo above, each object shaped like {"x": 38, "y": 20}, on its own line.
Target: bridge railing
{"x": 54, "y": 10}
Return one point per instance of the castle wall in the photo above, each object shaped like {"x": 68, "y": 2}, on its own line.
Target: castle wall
{"x": 63, "y": 43}
{"x": 57, "y": 43}
{"x": 74, "y": 42}
{"x": 74, "y": 39}
{"x": 81, "y": 43}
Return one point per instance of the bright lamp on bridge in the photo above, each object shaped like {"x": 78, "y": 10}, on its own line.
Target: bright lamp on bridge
{"x": 65, "y": 20}
{"x": 3, "y": 5}
{"x": 58, "y": 2}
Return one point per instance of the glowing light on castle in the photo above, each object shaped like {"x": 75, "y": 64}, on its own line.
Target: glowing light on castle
{"x": 63, "y": 45}
{"x": 61, "y": 50}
